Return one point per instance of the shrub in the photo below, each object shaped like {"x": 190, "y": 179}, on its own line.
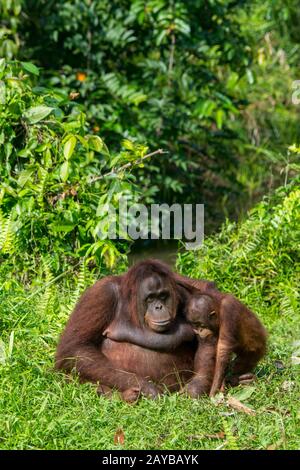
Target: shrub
{"x": 56, "y": 179}
{"x": 161, "y": 71}
{"x": 258, "y": 260}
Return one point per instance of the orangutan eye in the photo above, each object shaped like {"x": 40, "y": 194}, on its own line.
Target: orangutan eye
{"x": 198, "y": 324}
{"x": 164, "y": 295}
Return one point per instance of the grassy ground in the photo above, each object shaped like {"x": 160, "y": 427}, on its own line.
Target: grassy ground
{"x": 39, "y": 409}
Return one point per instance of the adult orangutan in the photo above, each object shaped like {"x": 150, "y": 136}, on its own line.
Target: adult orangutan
{"x": 147, "y": 299}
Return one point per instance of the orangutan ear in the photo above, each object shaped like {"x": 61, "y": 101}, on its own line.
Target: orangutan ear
{"x": 212, "y": 313}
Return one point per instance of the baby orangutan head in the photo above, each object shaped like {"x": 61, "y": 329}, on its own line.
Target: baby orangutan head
{"x": 201, "y": 313}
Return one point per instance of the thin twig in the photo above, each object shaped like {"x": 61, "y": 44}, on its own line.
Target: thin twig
{"x": 128, "y": 165}
{"x": 172, "y": 51}
{"x": 171, "y": 59}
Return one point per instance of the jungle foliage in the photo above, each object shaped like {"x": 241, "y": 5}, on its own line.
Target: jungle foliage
{"x": 186, "y": 76}
{"x": 57, "y": 179}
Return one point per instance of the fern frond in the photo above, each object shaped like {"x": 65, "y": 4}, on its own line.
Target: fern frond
{"x": 6, "y": 233}
{"x": 40, "y": 188}
{"x": 81, "y": 284}
{"x": 45, "y": 303}
{"x": 230, "y": 438}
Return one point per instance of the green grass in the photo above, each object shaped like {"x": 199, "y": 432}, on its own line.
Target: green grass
{"x": 40, "y": 409}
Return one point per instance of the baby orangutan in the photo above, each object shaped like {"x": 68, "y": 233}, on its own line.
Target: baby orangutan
{"x": 236, "y": 329}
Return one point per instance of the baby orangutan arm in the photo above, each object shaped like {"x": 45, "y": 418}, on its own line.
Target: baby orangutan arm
{"x": 204, "y": 365}
{"x": 168, "y": 341}
{"x": 227, "y": 341}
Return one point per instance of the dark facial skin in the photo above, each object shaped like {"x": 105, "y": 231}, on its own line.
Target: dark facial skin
{"x": 156, "y": 304}
{"x": 201, "y": 313}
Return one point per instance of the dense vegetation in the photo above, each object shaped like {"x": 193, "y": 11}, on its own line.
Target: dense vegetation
{"x": 57, "y": 179}
{"x": 90, "y": 88}
{"x": 200, "y": 79}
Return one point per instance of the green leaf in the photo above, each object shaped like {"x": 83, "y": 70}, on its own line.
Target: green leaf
{"x": 64, "y": 171}
{"x": 2, "y": 93}
{"x": 31, "y": 68}
{"x": 24, "y": 176}
{"x": 205, "y": 108}
{"x": 96, "y": 143}
{"x": 37, "y": 113}
{"x": 62, "y": 227}
{"x": 2, "y": 64}
{"x": 128, "y": 144}
{"x": 116, "y": 160}
{"x": 250, "y": 76}
{"x": 11, "y": 343}
{"x": 69, "y": 146}
{"x": 71, "y": 126}
{"x": 244, "y": 393}
{"x": 2, "y": 353}
{"x": 219, "y": 118}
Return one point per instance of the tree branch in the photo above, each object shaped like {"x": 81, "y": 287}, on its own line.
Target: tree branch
{"x": 171, "y": 58}
{"x": 128, "y": 165}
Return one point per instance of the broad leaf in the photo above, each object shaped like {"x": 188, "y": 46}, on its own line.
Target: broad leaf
{"x": 64, "y": 171}
{"x": 69, "y": 146}
{"x": 96, "y": 143}
{"x": 2, "y": 64}
{"x": 24, "y": 176}
{"x": 31, "y": 68}
{"x": 37, "y": 113}
{"x": 244, "y": 393}
{"x": 63, "y": 227}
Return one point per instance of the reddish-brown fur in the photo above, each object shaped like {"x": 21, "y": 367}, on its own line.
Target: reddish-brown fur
{"x": 239, "y": 331}
{"x": 123, "y": 366}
